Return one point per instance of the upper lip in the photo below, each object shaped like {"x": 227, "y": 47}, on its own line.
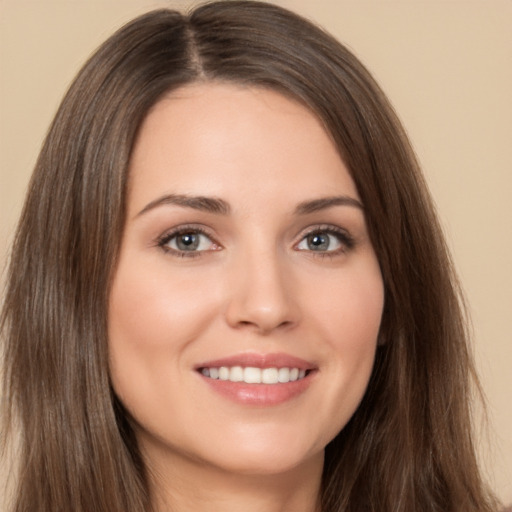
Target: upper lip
{"x": 255, "y": 360}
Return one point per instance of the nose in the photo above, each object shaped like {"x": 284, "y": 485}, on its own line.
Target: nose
{"x": 262, "y": 294}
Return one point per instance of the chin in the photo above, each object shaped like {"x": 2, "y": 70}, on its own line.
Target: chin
{"x": 261, "y": 453}
{"x": 276, "y": 463}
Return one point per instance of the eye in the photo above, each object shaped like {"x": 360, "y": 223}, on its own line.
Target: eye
{"x": 187, "y": 240}
{"x": 326, "y": 240}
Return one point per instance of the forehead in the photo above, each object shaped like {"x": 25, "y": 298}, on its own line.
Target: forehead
{"x": 230, "y": 140}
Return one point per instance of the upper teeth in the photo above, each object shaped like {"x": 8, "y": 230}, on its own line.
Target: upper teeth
{"x": 251, "y": 375}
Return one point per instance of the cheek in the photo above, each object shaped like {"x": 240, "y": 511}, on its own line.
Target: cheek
{"x": 357, "y": 313}
{"x": 150, "y": 308}
{"x": 350, "y": 308}
{"x": 153, "y": 317}
{"x": 348, "y": 317}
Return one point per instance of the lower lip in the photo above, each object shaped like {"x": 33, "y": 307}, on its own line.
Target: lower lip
{"x": 259, "y": 394}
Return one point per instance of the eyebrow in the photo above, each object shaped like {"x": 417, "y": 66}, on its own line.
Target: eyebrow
{"x": 201, "y": 203}
{"x": 219, "y": 206}
{"x": 327, "y": 202}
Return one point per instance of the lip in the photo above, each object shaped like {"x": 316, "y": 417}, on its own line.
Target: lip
{"x": 271, "y": 360}
{"x": 263, "y": 395}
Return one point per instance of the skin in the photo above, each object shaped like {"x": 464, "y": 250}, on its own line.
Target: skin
{"x": 256, "y": 284}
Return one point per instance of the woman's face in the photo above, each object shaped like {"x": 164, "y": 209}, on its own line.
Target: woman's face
{"x": 245, "y": 258}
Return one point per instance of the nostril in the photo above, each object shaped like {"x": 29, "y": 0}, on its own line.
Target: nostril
{"x": 262, "y": 305}
{"x": 263, "y": 326}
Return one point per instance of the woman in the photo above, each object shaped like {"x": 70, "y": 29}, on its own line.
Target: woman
{"x": 229, "y": 289}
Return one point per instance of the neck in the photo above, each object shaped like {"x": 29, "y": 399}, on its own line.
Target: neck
{"x": 190, "y": 486}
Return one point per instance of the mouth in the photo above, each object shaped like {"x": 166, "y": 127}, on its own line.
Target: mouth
{"x": 258, "y": 379}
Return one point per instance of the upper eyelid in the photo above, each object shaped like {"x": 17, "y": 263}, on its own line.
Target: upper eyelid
{"x": 324, "y": 227}
{"x": 163, "y": 242}
{"x": 183, "y": 228}
{"x": 345, "y": 237}
{"x": 173, "y": 232}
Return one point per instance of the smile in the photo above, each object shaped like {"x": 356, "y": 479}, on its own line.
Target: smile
{"x": 261, "y": 380}
{"x": 252, "y": 375}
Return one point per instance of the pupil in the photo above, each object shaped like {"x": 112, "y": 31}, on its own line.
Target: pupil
{"x": 318, "y": 242}
{"x": 188, "y": 241}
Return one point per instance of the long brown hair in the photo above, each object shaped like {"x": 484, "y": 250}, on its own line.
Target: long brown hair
{"x": 409, "y": 445}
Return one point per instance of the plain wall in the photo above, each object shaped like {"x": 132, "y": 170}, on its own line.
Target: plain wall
{"x": 447, "y": 67}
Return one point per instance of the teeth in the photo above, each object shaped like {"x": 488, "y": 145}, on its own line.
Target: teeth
{"x": 236, "y": 374}
{"x": 251, "y": 375}
{"x": 269, "y": 376}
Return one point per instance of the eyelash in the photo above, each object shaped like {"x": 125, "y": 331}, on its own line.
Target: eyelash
{"x": 346, "y": 241}
{"x": 344, "y": 238}
{"x": 183, "y": 230}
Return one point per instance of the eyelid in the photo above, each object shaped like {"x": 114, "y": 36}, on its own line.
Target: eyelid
{"x": 344, "y": 236}
{"x": 168, "y": 235}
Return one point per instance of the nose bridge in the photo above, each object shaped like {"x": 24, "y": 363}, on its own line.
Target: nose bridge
{"x": 261, "y": 290}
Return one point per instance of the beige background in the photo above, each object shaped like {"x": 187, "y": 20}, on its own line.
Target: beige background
{"x": 447, "y": 67}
